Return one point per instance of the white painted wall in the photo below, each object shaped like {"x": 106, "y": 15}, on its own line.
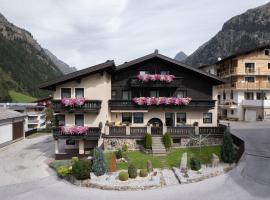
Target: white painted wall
{"x": 5, "y": 133}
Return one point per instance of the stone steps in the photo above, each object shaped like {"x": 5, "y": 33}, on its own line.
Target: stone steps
{"x": 158, "y": 147}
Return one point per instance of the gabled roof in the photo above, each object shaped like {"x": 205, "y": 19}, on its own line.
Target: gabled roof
{"x": 9, "y": 114}
{"x": 180, "y": 64}
{"x": 106, "y": 66}
{"x": 244, "y": 52}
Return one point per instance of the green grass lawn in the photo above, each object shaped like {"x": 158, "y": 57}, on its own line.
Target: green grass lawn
{"x": 19, "y": 97}
{"x": 139, "y": 159}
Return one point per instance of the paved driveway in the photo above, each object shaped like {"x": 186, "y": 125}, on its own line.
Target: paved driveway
{"x": 34, "y": 180}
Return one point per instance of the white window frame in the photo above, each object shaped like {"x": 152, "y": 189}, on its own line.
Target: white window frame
{"x": 71, "y": 91}
{"x": 79, "y": 88}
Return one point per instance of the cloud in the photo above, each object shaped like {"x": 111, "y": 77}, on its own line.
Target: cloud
{"x": 85, "y": 32}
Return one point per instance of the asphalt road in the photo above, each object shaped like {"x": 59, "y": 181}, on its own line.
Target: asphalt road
{"x": 33, "y": 180}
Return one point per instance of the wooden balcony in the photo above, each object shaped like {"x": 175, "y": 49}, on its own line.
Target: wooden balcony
{"x": 93, "y": 133}
{"x": 177, "y": 82}
{"x": 130, "y": 105}
{"x": 90, "y": 106}
{"x": 263, "y": 85}
{"x": 263, "y": 71}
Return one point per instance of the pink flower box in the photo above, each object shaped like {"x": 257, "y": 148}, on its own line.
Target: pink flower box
{"x": 73, "y": 130}
{"x": 70, "y": 102}
{"x": 161, "y": 101}
{"x": 155, "y": 77}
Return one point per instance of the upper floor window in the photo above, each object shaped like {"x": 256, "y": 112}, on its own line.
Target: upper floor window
{"x": 207, "y": 118}
{"x": 268, "y": 65}
{"x": 181, "y": 118}
{"x": 268, "y": 79}
{"x": 79, "y": 92}
{"x": 224, "y": 95}
{"x": 231, "y": 94}
{"x": 249, "y": 96}
{"x": 60, "y": 120}
{"x": 154, "y": 93}
{"x": 180, "y": 94}
{"x": 65, "y": 93}
{"x": 126, "y": 95}
{"x": 267, "y": 52}
{"x": 143, "y": 72}
{"x": 165, "y": 72}
{"x": 249, "y": 67}
{"x": 79, "y": 120}
{"x": 250, "y": 79}
{"x": 259, "y": 95}
{"x": 113, "y": 93}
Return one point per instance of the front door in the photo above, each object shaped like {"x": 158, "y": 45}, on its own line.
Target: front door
{"x": 156, "y": 126}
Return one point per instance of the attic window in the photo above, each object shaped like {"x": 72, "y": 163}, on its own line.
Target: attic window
{"x": 267, "y": 52}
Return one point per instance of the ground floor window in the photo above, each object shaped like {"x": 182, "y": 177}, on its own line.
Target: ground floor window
{"x": 181, "y": 118}
{"x": 79, "y": 120}
{"x": 127, "y": 117}
{"x": 249, "y": 96}
{"x": 232, "y": 112}
{"x": 70, "y": 142}
{"x": 60, "y": 120}
{"x": 169, "y": 119}
{"x": 207, "y": 118}
{"x": 138, "y": 118}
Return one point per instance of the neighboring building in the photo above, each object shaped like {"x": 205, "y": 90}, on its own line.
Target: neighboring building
{"x": 114, "y": 111}
{"x": 212, "y": 69}
{"x": 246, "y": 95}
{"x": 35, "y": 114}
{"x": 11, "y": 126}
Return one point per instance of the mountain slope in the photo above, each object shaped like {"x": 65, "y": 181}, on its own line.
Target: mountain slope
{"x": 63, "y": 67}
{"x": 180, "y": 56}
{"x": 242, "y": 32}
{"x": 23, "y": 62}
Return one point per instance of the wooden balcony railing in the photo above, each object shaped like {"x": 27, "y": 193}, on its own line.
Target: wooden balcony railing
{"x": 117, "y": 131}
{"x": 219, "y": 130}
{"x": 243, "y": 71}
{"x": 88, "y": 106}
{"x": 138, "y": 131}
{"x": 92, "y": 133}
{"x": 177, "y": 82}
{"x": 177, "y": 132}
{"x": 246, "y": 85}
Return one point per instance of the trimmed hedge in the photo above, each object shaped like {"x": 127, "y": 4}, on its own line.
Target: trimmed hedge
{"x": 99, "y": 164}
{"x": 143, "y": 173}
{"x": 119, "y": 154}
{"x": 132, "y": 171}
{"x": 167, "y": 139}
{"x": 148, "y": 141}
{"x": 63, "y": 171}
{"x": 227, "y": 151}
{"x": 195, "y": 164}
{"x": 81, "y": 169}
{"x": 123, "y": 176}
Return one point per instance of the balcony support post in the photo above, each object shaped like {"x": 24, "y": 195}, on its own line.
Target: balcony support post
{"x": 127, "y": 130}
{"x": 107, "y": 130}
{"x": 148, "y": 129}
{"x": 81, "y": 146}
{"x": 56, "y": 146}
{"x": 164, "y": 129}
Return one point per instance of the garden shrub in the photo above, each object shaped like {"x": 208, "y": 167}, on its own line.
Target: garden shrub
{"x": 167, "y": 139}
{"x": 81, "y": 169}
{"x": 132, "y": 171}
{"x": 149, "y": 166}
{"x": 148, "y": 141}
{"x": 195, "y": 164}
{"x": 74, "y": 159}
{"x": 227, "y": 150}
{"x": 99, "y": 164}
{"x": 113, "y": 163}
{"x": 143, "y": 173}
{"x": 125, "y": 147}
{"x": 119, "y": 154}
{"x": 123, "y": 176}
{"x": 63, "y": 171}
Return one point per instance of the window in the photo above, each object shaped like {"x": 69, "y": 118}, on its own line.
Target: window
{"x": 79, "y": 92}
{"x": 259, "y": 95}
{"x": 267, "y": 52}
{"x": 113, "y": 93}
{"x": 231, "y": 94}
{"x": 79, "y": 120}
{"x": 268, "y": 79}
{"x": 180, "y": 94}
{"x": 60, "y": 120}
{"x": 154, "y": 93}
{"x": 250, "y": 79}
{"x": 169, "y": 119}
{"x": 70, "y": 142}
{"x": 232, "y": 112}
{"x": 268, "y": 65}
{"x": 165, "y": 72}
{"x": 126, "y": 95}
{"x": 207, "y": 118}
{"x": 249, "y": 96}
{"x": 127, "y": 117}
{"x": 143, "y": 72}
{"x": 65, "y": 93}
{"x": 181, "y": 118}
{"x": 250, "y": 67}
{"x": 138, "y": 118}
{"x": 224, "y": 95}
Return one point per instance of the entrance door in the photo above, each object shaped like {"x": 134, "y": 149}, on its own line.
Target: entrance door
{"x": 17, "y": 130}
{"x": 156, "y": 126}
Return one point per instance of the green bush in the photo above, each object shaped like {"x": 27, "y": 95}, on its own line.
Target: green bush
{"x": 125, "y": 148}
{"x": 81, "y": 169}
{"x": 74, "y": 159}
{"x": 148, "y": 141}
{"x": 143, "y": 173}
{"x": 99, "y": 165}
{"x": 167, "y": 139}
{"x": 123, "y": 176}
{"x": 119, "y": 154}
{"x": 63, "y": 171}
{"x": 227, "y": 150}
{"x": 195, "y": 164}
{"x": 132, "y": 171}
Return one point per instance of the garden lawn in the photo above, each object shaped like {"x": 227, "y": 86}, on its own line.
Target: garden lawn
{"x": 139, "y": 159}
{"x": 19, "y": 97}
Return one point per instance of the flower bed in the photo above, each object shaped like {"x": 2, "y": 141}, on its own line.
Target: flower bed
{"x": 73, "y": 130}
{"x": 155, "y": 77}
{"x": 161, "y": 101}
{"x": 70, "y": 102}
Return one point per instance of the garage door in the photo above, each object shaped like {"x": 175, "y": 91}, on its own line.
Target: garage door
{"x": 250, "y": 115}
{"x": 5, "y": 133}
{"x": 17, "y": 130}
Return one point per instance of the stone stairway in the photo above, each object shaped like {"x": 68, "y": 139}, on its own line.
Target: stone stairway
{"x": 158, "y": 147}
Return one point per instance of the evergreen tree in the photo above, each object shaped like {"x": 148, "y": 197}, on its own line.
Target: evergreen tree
{"x": 99, "y": 165}
{"x": 227, "y": 150}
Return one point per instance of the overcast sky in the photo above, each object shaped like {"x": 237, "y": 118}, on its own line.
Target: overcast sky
{"x": 86, "y": 32}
